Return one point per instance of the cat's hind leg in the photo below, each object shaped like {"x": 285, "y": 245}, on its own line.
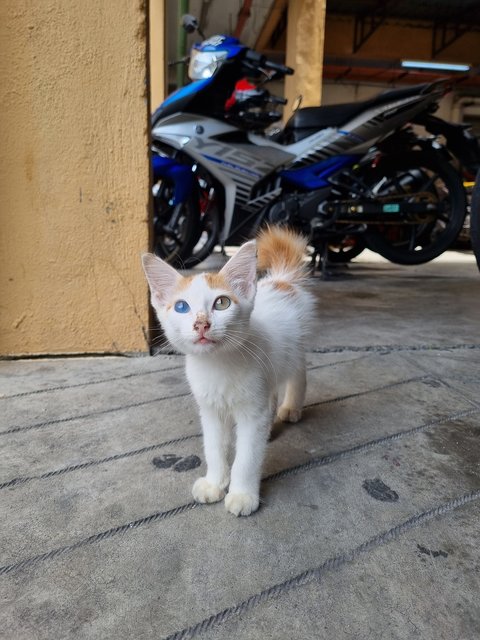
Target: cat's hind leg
{"x": 217, "y": 430}
{"x": 292, "y": 405}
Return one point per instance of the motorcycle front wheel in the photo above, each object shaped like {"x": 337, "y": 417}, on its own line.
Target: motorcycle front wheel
{"x": 176, "y": 226}
{"x": 424, "y": 178}
{"x": 209, "y": 222}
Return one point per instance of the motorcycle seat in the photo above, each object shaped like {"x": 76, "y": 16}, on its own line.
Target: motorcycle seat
{"x": 306, "y": 121}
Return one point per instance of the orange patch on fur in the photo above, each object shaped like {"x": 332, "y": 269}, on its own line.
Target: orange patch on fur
{"x": 216, "y": 281}
{"x": 184, "y": 282}
{"x": 281, "y": 249}
{"x": 281, "y": 285}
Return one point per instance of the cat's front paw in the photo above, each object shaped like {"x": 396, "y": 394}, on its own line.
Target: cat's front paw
{"x": 287, "y": 414}
{"x": 204, "y": 491}
{"x": 241, "y": 504}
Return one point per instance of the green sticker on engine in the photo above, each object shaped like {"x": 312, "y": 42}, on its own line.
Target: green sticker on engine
{"x": 391, "y": 208}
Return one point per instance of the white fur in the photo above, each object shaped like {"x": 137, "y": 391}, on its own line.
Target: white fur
{"x": 259, "y": 348}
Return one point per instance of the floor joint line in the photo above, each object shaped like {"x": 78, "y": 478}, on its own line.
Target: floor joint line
{"x": 316, "y": 573}
{"x": 311, "y": 464}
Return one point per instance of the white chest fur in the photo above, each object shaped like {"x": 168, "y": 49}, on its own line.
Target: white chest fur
{"x": 224, "y": 383}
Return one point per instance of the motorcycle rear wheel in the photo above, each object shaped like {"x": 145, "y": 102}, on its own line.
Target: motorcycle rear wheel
{"x": 345, "y": 250}
{"x": 475, "y": 220}
{"x": 176, "y": 226}
{"x": 417, "y": 176}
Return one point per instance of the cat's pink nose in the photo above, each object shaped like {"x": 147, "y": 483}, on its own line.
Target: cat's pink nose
{"x": 201, "y": 324}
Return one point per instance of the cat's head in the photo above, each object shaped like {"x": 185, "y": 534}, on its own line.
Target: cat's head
{"x": 205, "y": 312}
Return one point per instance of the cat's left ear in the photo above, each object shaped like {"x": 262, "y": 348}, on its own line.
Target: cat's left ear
{"x": 241, "y": 271}
{"x": 162, "y": 278}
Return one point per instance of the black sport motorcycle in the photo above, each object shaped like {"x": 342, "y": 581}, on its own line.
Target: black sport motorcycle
{"x": 334, "y": 173}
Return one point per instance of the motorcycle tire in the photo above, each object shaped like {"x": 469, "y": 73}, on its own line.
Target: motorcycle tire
{"x": 345, "y": 250}
{"x": 174, "y": 244}
{"x": 208, "y": 240}
{"x": 414, "y": 176}
{"x": 475, "y": 220}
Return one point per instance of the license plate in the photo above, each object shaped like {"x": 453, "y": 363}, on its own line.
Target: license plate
{"x": 391, "y": 208}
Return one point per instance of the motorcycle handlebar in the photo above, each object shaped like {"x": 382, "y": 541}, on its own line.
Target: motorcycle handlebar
{"x": 280, "y": 68}
{"x": 259, "y": 61}
{"x": 277, "y": 100}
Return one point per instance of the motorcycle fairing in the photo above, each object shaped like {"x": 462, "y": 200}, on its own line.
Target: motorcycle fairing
{"x": 357, "y": 135}
{"x": 313, "y": 118}
{"x": 180, "y": 174}
{"x": 316, "y": 176}
{"x": 180, "y": 96}
{"x": 239, "y": 167}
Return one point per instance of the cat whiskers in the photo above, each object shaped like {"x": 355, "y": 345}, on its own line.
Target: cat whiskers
{"x": 226, "y": 341}
{"x": 159, "y": 347}
{"x": 258, "y": 348}
{"x": 158, "y": 341}
{"x": 180, "y": 346}
{"x": 242, "y": 339}
{"x": 241, "y": 343}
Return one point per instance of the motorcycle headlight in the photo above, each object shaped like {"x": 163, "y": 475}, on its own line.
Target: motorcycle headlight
{"x": 203, "y": 64}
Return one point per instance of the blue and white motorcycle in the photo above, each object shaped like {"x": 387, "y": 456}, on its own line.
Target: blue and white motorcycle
{"x": 343, "y": 175}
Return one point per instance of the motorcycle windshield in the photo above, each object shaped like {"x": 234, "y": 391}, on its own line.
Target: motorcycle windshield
{"x": 231, "y": 46}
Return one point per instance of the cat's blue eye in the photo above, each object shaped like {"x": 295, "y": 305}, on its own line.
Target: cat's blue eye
{"x": 181, "y": 306}
{"x": 222, "y": 303}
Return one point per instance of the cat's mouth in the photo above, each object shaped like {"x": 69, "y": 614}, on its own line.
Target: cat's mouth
{"x": 204, "y": 340}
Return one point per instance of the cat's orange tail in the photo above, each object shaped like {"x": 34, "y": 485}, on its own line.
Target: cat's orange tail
{"x": 281, "y": 251}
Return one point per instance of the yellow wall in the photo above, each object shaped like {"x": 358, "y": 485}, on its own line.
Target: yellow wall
{"x": 73, "y": 176}
{"x": 305, "y": 37}
{"x": 396, "y": 39}
{"x": 157, "y": 53}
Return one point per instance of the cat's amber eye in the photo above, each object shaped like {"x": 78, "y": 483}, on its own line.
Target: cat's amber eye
{"x": 222, "y": 303}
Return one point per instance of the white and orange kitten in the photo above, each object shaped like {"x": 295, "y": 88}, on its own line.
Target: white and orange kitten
{"x": 244, "y": 342}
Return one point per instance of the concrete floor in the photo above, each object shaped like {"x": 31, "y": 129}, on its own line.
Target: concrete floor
{"x": 369, "y": 524}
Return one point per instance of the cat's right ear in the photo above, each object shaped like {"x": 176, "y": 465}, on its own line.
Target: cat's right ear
{"x": 162, "y": 278}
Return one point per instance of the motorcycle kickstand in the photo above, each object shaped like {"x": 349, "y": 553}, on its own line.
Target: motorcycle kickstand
{"x": 325, "y": 272}
{"x": 313, "y": 263}
{"x": 319, "y": 260}
{"x": 328, "y": 271}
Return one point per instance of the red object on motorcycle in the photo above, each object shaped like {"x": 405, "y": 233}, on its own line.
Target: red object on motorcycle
{"x": 241, "y": 85}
